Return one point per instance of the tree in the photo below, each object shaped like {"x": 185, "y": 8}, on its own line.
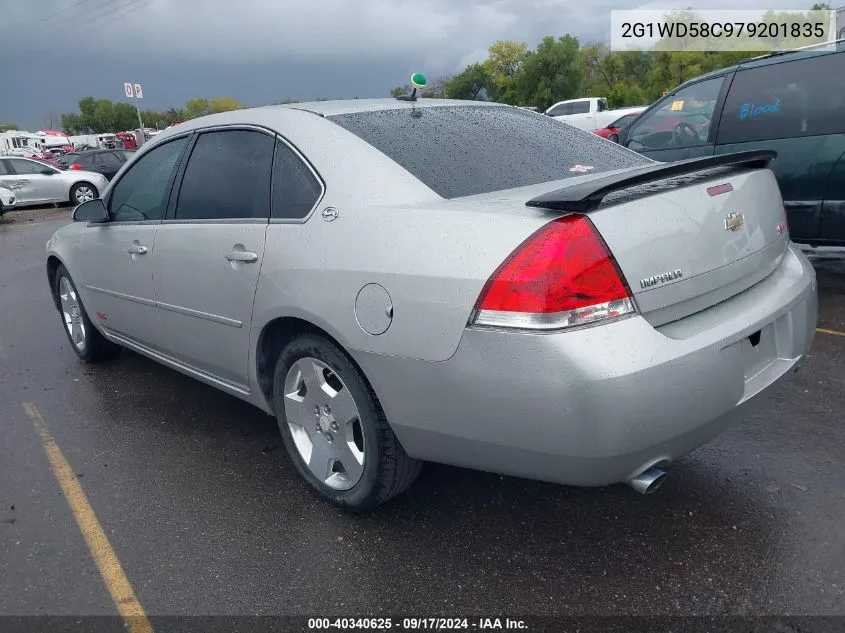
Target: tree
{"x": 223, "y": 104}
{"x": 551, "y": 73}
{"x": 51, "y": 120}
{"x": 6, "y": 127}
{"x": 474, "y": 83}
{"x": 72, "y": 124}
{"x": 196, "y": 108}
{"x": 505, "y": 59}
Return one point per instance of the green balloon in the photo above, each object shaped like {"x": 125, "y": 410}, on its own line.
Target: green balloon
{"x": 418, "y": 80}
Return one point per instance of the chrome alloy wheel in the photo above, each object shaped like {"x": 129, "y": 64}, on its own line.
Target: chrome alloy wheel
{"x": 72, "y": 313}
{"x": 84, "y": 193}
{"x": 324, "y": 423}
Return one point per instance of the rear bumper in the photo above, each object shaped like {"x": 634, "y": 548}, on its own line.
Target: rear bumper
{"x": 598, "y": 405}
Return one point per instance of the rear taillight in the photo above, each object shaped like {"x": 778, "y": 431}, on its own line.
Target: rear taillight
{"x": 75, "y": 166}
{"x": 562, "y": 276}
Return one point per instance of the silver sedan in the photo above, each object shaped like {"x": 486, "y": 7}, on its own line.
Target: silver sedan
{"x": 7, "y": 199}
{"x": 469, "y": 283}
{"x": 36, "y": 182}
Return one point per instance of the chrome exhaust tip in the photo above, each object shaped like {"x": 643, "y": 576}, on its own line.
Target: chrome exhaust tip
{"x": 648, "y": 481}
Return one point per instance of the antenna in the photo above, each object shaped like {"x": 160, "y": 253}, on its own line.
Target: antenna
{"x": 418, "y": 82}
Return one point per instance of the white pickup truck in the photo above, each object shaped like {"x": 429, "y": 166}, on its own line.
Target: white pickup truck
{"x": 589, "y": 113}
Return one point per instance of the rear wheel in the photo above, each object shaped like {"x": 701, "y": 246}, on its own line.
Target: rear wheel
{"x": 334, "y": 428}
{"x": 83, "y": 192}
{"x": 85, "y": 339}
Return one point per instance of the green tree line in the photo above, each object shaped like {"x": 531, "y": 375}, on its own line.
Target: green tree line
{"x": 562, "y": 68}
{"x": 103, "y": 115}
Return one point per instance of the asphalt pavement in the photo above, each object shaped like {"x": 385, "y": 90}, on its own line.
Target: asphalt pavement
{"x": 206, "y": 515}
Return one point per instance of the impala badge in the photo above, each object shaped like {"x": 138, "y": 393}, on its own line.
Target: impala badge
{"x": 662, "y": 278}
{"x": 734, "y": 222}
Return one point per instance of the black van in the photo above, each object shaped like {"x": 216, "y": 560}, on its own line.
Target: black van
{"x": 791, "y": 102}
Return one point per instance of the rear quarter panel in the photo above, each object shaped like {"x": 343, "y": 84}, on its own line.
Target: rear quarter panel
{"x": 433, "y": 263}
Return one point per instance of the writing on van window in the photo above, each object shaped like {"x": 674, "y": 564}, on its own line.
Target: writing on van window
{"x": 753, "y": 110}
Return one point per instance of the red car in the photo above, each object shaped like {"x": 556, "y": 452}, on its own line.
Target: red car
{"x": 611, "y": 132}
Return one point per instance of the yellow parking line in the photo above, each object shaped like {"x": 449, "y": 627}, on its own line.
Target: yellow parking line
{"x": 98, "y": 544}
{"x": 833, "y": 332}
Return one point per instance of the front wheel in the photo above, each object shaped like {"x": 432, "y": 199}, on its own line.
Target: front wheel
{"x": 334, "y": 428}
{"x": 83, "y": 192}
{"x": 86, "y": 340}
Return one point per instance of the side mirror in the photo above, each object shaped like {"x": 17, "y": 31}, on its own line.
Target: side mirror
{"x": 91, "y": 211}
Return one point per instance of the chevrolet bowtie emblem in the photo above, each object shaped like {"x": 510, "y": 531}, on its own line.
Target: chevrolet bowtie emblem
{"x": 734, "y": 222}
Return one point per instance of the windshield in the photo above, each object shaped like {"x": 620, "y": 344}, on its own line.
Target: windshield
{"x": 467, "y": 150}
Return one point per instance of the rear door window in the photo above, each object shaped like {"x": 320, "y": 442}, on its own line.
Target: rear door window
{"x": 227, "y": 177}
{"x": 581, "y": 107}
{"x": 467, "y": 150}
{"x": 804, "y": 97}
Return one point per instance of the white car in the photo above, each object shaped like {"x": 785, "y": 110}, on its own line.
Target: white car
{"x": 7, "y": 199}
{"x": 37, "y": 182}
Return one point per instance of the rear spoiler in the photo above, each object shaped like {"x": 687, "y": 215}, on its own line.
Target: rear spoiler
{"x": 587, "y": 196}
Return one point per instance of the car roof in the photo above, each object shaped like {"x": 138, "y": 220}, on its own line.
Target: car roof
{"x": 319, "y": 108}
{"x": 780, "y": 57}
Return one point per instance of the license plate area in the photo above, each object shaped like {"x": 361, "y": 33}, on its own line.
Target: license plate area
{"x": 759, "y": 350}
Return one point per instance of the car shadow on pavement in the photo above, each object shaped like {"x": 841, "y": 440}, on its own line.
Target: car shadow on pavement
{"x": 704, "y": 543}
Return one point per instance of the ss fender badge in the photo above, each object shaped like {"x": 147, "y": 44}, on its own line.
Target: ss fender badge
{"x": 662, "y": 278}
{"x": 330, "y": 214}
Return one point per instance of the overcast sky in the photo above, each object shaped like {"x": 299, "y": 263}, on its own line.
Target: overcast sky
{"x": 261, "y": 51}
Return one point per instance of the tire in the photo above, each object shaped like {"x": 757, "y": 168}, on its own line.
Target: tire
{"x": 614, "y": 138}
{"x": 92, "y": 346}
{"x": 79, "y": 187}
{"x": 387, "y": 469}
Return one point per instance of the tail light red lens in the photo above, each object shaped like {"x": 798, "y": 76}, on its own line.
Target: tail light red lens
{"x": 562, "y": 276}
{"x": 75, "y": 166}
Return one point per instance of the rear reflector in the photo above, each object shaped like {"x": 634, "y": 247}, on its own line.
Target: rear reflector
{"x": 562, "y": 276}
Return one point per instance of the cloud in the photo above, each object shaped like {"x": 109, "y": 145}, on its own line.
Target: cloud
{"x": 260, "y": 50}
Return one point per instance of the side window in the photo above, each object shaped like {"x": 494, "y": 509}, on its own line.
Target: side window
{"x": 681, "y": 120}
{"x": 561, "y": 110}
{"x": 106, "y": 159}
{"x": 581, "y": 107}
{"x": 805, "y": 97}
{"x": 4, "y": 168}
{"x": 227, "y": 177}
{"x": 22, "y": 167}
{"x": 602, "y": 105}
{"x": 295, "y": 189}
{"x": 140, "y": 192}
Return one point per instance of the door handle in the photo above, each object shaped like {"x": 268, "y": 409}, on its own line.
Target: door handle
{"x": 137, "y": 249}
{"x": 247, "y": 257}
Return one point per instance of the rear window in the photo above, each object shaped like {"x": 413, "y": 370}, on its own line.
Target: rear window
{"x": 468, "y": 150}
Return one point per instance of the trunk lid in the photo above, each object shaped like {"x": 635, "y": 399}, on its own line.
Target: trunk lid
{"x": 698, "y": 243}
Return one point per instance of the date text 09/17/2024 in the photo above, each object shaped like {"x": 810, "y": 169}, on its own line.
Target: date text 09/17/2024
{"x": 414, "y": 624}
